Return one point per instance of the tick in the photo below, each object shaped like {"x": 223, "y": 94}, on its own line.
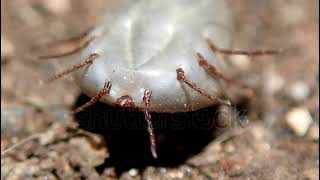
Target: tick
{"x": 156, "y": 56}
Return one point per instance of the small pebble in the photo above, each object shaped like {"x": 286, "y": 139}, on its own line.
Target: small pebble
{"x": 216, "y": 148}
{"x": 162, "y": 170}
{"x": 241, "y": 62}
{"x": 299, "y": 120}
{"x": 187, "y": 171}
{"x": 180, "y": 175}
{"x": 258, "y": 132}
{"x": 133, "y": 172}
{"x": 298, "y": 91}
{"x": 274, "y": 82}
{"x": 176, "y": 174}
{"x": 228, "y": 147}
{"x": 313, "y": 133}
{"x": 47, "y": 138}
{"x": 244, "y": 120}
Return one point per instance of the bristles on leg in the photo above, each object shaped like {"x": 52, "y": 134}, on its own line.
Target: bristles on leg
{"x": 74, "y": 67}
{"x": 260, "y": 52}
{"x": 105, "y": 91}
{"x": 205, "y": 64}
{"x": 74, "y": 39}
{"x": 69, "y": 52}
{"x": 181, "y": 77}
{"x": 147, "y": 116}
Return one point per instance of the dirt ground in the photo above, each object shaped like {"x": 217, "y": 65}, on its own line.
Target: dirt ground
{"x": 49, "y": 144}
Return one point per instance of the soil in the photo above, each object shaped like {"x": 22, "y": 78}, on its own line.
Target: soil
{"x": 103, "y": 142}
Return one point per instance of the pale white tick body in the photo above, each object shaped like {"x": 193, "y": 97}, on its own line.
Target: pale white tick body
{"x": 142, "y": 43}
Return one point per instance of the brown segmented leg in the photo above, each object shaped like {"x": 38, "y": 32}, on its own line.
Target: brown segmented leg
{"x": 205, "y": 64}
{"x": 71, "y": 40}
{"x": 74, "y": 67}
{"x": 260, "y": 52}
{"x": 147, "y": 116}
{"x": 69, "y": 52}
{"x": 181, "y": 77}
{"x": 105, "y": 91}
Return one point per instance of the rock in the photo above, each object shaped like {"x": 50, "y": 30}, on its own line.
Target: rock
{"x": 313, "y": 133}
{"x": 299, "y": 120}
{"x": 258, "y": 132}
{"x": 274, "y": 82}
{"x": 243, "y": 63}
{"x": 229, "y": 147}
{"x": 298, "y": 91}
{"x": 133, "y": 172}
{"x": 87, "y": 152}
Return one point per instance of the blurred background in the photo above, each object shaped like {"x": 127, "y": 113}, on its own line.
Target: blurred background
{"x": 280, "y": 142}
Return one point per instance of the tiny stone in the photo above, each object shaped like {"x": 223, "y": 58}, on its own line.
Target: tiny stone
{"x": 133, "y": 172}
{"x": 241, "y": 62}
{"x": 176, "y": 174}
{"x": 180, "y": 175}
{"x": 313, "y": 133}
{"x": 109, "y": 172}
{"x": 244, "y": 120}
{"x": 298, "y": 91}
{"x": 163, "y": 170}
{"x": 274, "y": 82}
{"x": 258, "y": 132}
{"x": 229, "y": 148}
{"x": 227, "y": 102}
{"x": 187, "y": 171}
{"x": 47, "y": 138}
{"x": 299, "y": 120}
{"x": 216, "y": 148}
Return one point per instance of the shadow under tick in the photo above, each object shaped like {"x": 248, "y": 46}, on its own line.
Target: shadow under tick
{"x": 178, "y": 135}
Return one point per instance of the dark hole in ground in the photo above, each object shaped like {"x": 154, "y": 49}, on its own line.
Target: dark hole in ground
{"x": 179, "y": 135}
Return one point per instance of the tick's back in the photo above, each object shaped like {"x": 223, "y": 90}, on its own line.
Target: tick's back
{"x": 145, "y": 30}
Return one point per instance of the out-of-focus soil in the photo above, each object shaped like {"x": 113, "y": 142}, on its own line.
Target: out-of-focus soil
{"x": 54, "y": 147}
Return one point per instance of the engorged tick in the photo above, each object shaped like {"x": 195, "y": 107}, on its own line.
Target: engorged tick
{"x": 159, "y": 56}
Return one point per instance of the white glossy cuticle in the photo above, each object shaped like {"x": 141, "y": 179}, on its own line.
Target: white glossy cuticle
{"x": 142, "y": 43}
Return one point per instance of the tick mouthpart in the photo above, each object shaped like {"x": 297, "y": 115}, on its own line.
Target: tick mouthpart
{"x": 125, "y": 102}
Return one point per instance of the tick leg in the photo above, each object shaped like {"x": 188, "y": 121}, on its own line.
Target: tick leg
{"x": 181, "y": 77}
{"x": 70, "y": 40}
{"x": 74, "y": 67}
{"x": 76, "y": 49}
{"x": 205, "y": 64}
{"x": 105, "y": 91}
{"x": 147, "y": 116}
{"x": 260, "y": 52}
